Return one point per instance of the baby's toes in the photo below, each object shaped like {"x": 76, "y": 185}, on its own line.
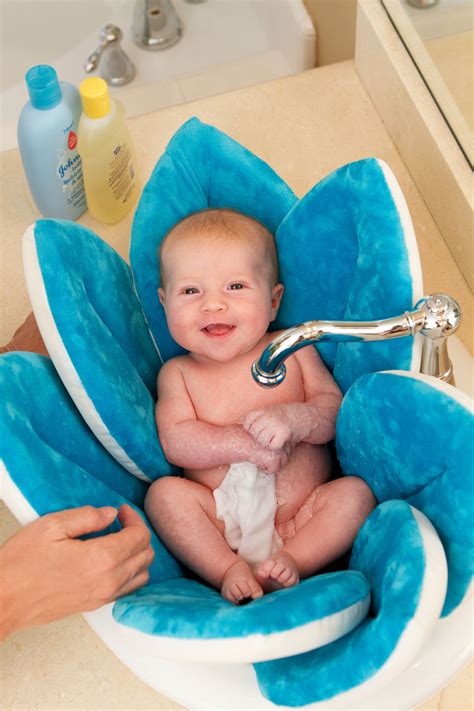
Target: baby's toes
{"x": 228, "y": 594}
{"x": 277, "y": 570}
{"x": 266, "y": 568}
{"x": 255, "y": 590}
{"x": 238, "y": 590}
{"x": 285, "y": 576}
{"x": 292, "y": 580}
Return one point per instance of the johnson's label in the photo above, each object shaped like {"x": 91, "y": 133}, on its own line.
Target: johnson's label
{"x": 122, "y": 173}
{"x": 69, "y": 171}
{"x": 68, "y": 164}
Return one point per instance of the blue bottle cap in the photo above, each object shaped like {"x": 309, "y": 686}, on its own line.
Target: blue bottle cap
{"x": 43, "y": 86}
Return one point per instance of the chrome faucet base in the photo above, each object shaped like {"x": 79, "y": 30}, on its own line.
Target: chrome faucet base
{"x": 115, "y": 66}
{"x": 436, "y": 317}
{"x": 443, "y": 317}
{"x": 422, "y": 3}
{"x": 156, "y": 24}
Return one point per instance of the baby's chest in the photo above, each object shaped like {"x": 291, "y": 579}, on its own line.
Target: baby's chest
{"x": 222, "y": 398}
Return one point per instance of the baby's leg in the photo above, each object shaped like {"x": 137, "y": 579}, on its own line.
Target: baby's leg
{"x": 326, "y": 525}
{"x": 183, "y": 513}
{"x": 325, "y": 528}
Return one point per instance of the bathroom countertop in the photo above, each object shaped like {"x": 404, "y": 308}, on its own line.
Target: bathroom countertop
{"x": 304, "y": 126}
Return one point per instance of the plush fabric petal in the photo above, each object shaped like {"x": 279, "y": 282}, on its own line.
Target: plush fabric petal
{"x": 400, "y": 554}
{"x": 52, "y": 460}
{"x": 90, "y": 319}
{"x": 412, "y": 438}
{"x": 195, "y": 623}
{"x": 348, "y": 252}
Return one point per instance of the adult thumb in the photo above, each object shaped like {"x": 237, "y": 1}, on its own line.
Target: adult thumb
{"x": 84, "y": 519}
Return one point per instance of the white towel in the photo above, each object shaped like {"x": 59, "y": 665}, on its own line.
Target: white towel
{"x": 246, "y": 502}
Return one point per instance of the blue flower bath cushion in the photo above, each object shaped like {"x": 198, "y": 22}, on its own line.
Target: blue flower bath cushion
{"x": 51, "y": 459}
{"x": 84, "y": 297}
{"x": 412, "y": 437}
{"x": 400, "y": 554}
{"x": 95, "y": 332}
{"x": 187, "y": 621}
{"x": 346, "y": 250}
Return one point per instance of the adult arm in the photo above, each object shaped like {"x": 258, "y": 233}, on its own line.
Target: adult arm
{"x": 26, "y": 338}
{"x": 47, "y": 573}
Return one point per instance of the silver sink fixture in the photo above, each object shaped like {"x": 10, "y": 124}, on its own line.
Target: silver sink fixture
{"x": 422, "y": 3}
{"x": 115, "y": 67}
{"x": 436, "y": 317}
{"x": 156, "y": 24}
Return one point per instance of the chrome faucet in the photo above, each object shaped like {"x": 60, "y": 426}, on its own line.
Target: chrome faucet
{"x": 115, "y": 67}
{"x": 156, "y": 24}
{"x": 436, "y": 317}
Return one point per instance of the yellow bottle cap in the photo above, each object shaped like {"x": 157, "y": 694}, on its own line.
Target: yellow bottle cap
{"x": 95, "y": 97}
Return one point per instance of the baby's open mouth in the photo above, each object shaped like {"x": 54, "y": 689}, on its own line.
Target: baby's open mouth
{"x": 218, "y": 329}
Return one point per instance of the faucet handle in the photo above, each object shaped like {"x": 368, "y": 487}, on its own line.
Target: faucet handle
{"x": 118, "y": 69}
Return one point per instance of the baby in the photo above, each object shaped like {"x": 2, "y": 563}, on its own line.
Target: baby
{"x": 256, "y": 468}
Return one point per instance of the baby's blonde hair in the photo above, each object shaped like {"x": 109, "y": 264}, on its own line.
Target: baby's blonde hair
{"x": 223, "y": 222}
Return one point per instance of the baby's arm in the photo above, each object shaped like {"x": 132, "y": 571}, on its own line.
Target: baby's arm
{"x": 312, "y": 421}
{"x": 193, "y": 444}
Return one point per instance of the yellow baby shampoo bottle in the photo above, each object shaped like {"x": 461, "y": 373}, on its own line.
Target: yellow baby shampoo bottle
{"x": 108, "y": 160}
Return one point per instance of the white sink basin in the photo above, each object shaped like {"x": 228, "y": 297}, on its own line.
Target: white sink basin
{"x": 226, "y": 44}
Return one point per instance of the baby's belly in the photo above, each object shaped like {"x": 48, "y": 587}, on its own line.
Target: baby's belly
{"x": 309, "y": 466}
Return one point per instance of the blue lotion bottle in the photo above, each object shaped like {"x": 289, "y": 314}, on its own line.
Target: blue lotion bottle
{"x": 47, "y": 139}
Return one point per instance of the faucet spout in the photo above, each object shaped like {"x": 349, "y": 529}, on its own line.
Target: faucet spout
{"x": 436, "y": 317}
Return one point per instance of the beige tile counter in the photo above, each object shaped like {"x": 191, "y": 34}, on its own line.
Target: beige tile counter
{"x": 304, "y": 127}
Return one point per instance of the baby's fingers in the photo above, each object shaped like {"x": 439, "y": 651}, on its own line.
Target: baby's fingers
{"x": 264, "y": 437}
{"x": 249, "y": 419}
{"x": 279, "y": 438}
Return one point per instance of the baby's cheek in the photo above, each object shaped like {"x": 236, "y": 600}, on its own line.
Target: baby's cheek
{"x": 179, "y": 329}
{"x": 260, "y": 320}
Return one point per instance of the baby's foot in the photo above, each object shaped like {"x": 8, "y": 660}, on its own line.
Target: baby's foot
{"x": 239, "y": 583}
{"x": 279, "y": 571}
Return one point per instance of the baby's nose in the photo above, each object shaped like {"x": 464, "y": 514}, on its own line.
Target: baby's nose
{"x": 214, "y": 303}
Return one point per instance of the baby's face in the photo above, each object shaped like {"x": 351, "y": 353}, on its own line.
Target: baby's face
{"x": 217, "y": 298}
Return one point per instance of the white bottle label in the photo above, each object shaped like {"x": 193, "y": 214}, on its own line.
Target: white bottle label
{"x": 69, "y": 172}
{"x": 122, "y": 173}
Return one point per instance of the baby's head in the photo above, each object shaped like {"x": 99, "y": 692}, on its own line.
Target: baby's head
{"x": 219, "y": 283}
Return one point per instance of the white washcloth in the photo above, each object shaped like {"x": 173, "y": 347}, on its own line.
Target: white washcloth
{"x": 246, "y": 502}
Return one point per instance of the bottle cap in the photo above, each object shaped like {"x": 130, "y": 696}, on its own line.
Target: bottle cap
{"x": 43, "y": 86}
{"x": 95, "y": 97}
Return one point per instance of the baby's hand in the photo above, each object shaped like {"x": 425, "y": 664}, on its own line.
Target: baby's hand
{"x": 271, "y": 461}
{"x": 271, "y": 428}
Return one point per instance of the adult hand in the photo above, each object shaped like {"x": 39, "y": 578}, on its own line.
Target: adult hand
{"x": 46, "y": 572}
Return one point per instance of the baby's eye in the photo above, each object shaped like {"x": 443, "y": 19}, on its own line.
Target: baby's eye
{"x": 236, "y": 285}
{"x": 190, "y": 290}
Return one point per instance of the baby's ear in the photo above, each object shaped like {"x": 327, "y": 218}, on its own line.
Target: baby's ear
{"x": 277, "y": 293}
{"x": 161, "y": 296}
